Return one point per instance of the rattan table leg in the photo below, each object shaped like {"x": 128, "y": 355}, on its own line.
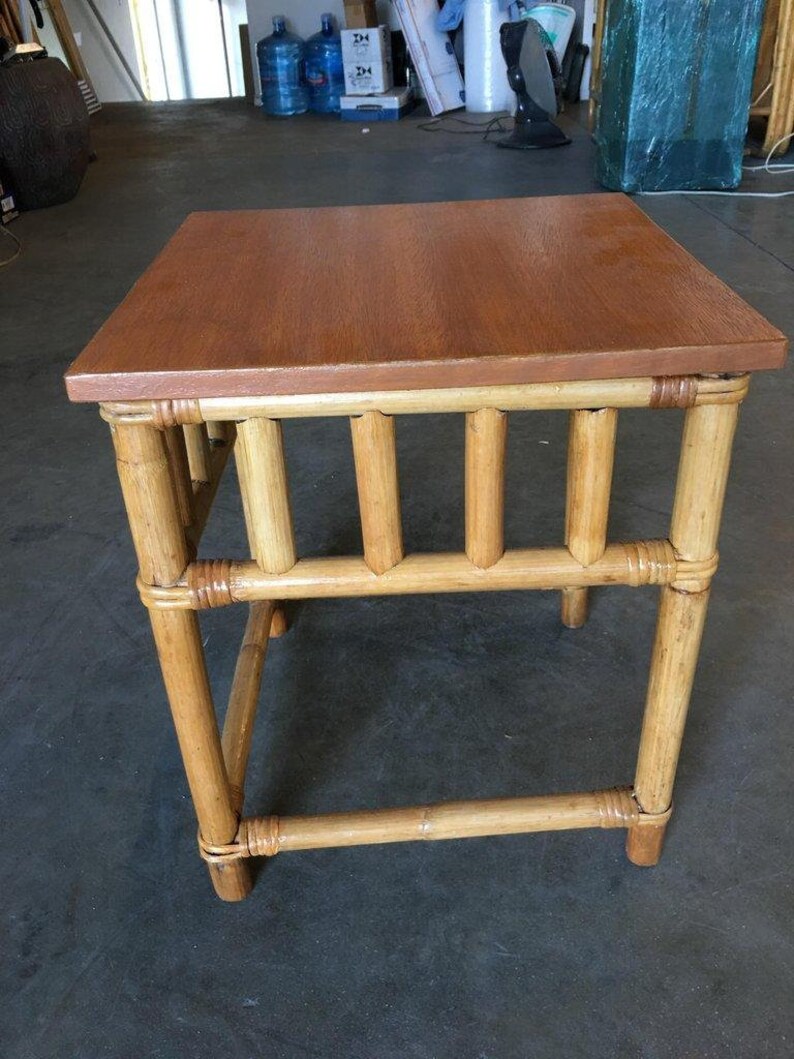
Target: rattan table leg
{"x": 700, "y": 490}
{"x": 156, "y": 524}
{"x": 591, "y": 455}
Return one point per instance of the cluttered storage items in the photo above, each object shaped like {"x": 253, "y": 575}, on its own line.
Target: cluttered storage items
{"x": 671, "y": 81}
{"x": 454, "y": 56}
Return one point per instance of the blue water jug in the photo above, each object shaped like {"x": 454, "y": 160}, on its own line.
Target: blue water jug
{"x": 281, "y": 59}
{"x": 324, "y": 72}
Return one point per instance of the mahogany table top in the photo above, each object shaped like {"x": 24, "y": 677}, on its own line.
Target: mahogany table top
{"x": 419, "y": 296}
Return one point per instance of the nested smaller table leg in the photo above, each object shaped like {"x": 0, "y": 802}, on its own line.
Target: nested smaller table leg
{"x": 279, "y": 623}
{"x": 180, "y": 472}
{"x": 197, "y": 444}
{"x": 238, "y": 725}
{"x": 154, "y": 516}
{"x": 591, "y": 455}
{"x": 700, "y": 491}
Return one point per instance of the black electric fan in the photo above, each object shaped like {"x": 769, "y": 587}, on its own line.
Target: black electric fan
{"x": 534, "y": 74}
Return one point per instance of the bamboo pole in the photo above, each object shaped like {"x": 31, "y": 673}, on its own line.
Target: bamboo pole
{"x": 199, "y": 455}
{"x": 180, "y": 472}
{"x": 160, "y": 543}
{"x": 147, "y": 487}
{"x": 643, "y": 392}
{"x": 643, "y": 562}
{"x": 238, "y": 725}
{"x": 375, "y": 455}
{"x": 204, "y": 493}
{"x": 635, "y": 563}
{"x": 702, "y": 480}
{"x": 63, "y": 29}
{"x": 217, "y": 432}
{"x": 263, "y": 485}
{"x": 781, "y": 111}
{"x": 700, "y": 491}
{"x": 267, "y": 836}
{"x": 591, "y": 454}
{"x": 658, "y": 392}
{"x": 13, "y": 23}
{"x": 486, "y": 438}
{"x": 595, "y": 64}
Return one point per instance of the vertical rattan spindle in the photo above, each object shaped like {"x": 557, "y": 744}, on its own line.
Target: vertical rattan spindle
{"x": 375, "y": 456}
{"x": 197, "y": 443}
{"x": 700, "y": 491}
{"x": 180, "y": 472}
{"x": 153, "y": 511}
{"x": 486, "y": 437}
{"x": 591, "y": 455}
{"x": 262, "y": 471}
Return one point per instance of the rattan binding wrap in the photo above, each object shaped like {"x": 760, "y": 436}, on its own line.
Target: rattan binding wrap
{"x": 674, "y": 391}
{"x": 208, "y": 583}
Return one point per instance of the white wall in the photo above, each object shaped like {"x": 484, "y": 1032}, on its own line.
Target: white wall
{"x": 200, "y": 74}
{"x": 108, "y": 77}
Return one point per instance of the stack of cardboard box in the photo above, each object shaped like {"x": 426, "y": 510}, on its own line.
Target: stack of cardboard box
{"x": 367, "y": 60}
{"x": 369, "y": 74}
{"x": 366, "y": 57}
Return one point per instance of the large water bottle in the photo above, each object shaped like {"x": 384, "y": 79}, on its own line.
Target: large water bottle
{"x": 281, "y": 71}
{"x": 324, "y": 72}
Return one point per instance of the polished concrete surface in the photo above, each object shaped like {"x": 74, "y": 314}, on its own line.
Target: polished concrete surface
{"x": 534, "y": 947}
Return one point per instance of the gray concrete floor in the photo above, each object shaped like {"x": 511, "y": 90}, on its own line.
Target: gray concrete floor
{"x": 113, "y": 944}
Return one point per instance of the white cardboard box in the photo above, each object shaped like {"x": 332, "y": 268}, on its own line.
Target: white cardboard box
{"x": 366, "y": 58}
{"x": 366, "y": 45}
{"x": 432, "y": 54}
{"x": 367, "y": 78}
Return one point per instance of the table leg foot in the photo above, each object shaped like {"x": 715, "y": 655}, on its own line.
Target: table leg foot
{"x": 574, "y": 607}
{"x": 232, "y": 881}
{"x": 644, "y": 844}
{"x": 279, "y": 623}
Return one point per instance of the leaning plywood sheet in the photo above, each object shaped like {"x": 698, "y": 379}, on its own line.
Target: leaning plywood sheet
{"x": 432, "y": 55}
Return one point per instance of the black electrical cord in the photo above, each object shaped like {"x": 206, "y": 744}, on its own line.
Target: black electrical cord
{"x": 37, "y": 15}
{"x": 483, "y": 128}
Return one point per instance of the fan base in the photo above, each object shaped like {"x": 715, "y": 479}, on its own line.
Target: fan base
{"x": 534, "y": 135}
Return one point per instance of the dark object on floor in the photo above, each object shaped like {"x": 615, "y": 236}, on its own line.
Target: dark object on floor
{"x": 44, "y": 135}
{"x": 574, "y": 61}
{"x": 532, "y": 71}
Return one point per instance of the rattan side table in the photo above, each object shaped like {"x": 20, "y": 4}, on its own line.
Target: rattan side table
{"x": 482, "y": 308}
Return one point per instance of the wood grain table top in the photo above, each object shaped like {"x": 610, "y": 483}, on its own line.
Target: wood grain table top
{"x": 448, "y": 294}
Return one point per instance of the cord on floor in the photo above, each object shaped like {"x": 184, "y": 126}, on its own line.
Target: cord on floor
{"x": 17, "y": 250}
{"x": 776, "y": 168}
